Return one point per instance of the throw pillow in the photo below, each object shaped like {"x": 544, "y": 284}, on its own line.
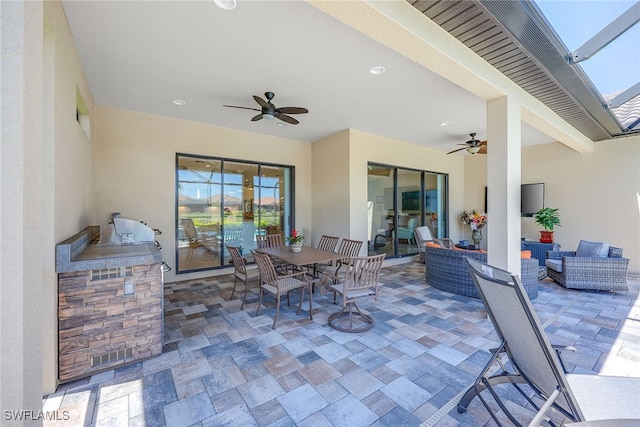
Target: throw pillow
{"x": 589, "y": 249}
{"x": 433, "y": 245}
{"x": 525, "y": 254}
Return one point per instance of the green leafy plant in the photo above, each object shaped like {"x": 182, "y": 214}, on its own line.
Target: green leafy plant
{"x": 547, "y": 218}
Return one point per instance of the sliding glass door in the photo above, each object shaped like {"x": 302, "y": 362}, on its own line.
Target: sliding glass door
{"x": 227, "y": 202}
{"x": 400, "y": 200}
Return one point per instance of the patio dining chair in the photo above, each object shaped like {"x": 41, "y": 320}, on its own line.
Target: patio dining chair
{"x": 196, "y": 240}
{"x": 361, "y": 276}
{"x": 279, "y": 285}
{"x": 535, "y": 362}
{"x": 242, "y": 273}
{"x": 329, "y": 244}
{"x": 272, "y": 241}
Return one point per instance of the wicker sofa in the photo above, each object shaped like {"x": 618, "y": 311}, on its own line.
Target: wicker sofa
{"x": 447, "y": 270}
{"x": 606, "y": 271}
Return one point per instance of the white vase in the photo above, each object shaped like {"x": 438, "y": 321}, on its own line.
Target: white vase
{"x": 296, "y": 247}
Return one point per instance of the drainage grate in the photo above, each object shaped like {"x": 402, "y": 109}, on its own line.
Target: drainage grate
{"x": 114, "y": 356}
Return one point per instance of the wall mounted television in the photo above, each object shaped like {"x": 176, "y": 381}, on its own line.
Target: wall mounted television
{"x": 531, "y": 198}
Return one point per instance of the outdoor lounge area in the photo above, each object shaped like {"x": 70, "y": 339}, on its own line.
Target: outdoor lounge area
{"x": 225, "y": 366}
{"x": 132, "y": 124}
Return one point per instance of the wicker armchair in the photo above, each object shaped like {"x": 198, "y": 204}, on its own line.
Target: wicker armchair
{"x": 594, "y": 273}
{"x": 423, "y": 235}
{"x": 446, "y": 270}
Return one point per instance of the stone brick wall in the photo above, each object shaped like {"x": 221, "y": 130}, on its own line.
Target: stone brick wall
{"x": 100, "y": 327}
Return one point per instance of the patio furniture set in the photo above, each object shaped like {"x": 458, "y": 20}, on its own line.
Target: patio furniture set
{"x": 281, "y": 270}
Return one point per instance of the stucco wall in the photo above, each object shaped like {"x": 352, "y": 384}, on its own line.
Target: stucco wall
{"x": 135, "y": 168}
{"x": 365, "y": 147}
{"x": 598, "y": 193}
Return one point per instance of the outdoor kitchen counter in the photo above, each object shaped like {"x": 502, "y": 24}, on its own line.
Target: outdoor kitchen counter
{"x": 110, "y": 304}
{"x": 81, "y": 252}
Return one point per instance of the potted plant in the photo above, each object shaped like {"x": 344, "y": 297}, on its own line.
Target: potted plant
{"x": 295, "y": 240}
{"x": 547, "y": 218}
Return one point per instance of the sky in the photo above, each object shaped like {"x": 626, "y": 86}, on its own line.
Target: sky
{"x": 617, "y": 66}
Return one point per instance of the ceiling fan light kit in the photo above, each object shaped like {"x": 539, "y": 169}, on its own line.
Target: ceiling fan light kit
{"x": 473, "y": 150}
{"x": 473, "y": 146}
{"x": 269, "y": 111}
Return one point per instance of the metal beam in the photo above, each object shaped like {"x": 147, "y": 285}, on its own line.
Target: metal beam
{"x": 625, "y": 96}
{"x": 608, "y": 34}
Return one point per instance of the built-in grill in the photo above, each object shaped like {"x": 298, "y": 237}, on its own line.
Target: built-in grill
{"x": 110, "y": 297}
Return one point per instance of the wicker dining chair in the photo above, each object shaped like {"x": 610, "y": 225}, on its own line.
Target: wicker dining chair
{"x": 279, "y": 285}
{"x": 242, "y": 273}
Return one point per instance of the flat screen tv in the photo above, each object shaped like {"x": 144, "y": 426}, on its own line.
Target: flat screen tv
{"x": 531, "y": 198}
{"x": 411, "y": 201}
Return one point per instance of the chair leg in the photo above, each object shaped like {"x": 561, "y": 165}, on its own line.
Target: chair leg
{"x": 244, "y": 299}
{"x": 310, "y": 304}
{"x": 275, "y": 319}
{"x": 259, "y": 301}
{"x": 301, "y": 299}
{"x": 235, "y": 282}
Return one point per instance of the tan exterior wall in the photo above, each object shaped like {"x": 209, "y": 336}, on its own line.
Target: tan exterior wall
{"x": 135, "y": 168}
{"x": 598, "y": 193}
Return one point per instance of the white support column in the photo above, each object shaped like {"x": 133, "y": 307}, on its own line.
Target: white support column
{"x": 21, "y": 171}
{"x": 503, "y": 183}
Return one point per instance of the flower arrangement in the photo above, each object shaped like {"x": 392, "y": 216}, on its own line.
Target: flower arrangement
{"x": 434, "y": 217}
{"x": 295, "y": 237}
{"x": 474, "y": 219}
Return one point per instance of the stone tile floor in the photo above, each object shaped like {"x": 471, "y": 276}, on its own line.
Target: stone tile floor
{"x": 225, "y": 367}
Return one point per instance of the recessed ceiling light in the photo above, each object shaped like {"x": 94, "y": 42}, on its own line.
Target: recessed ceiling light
{"x": 447, "y": 123}
{"x": 179, "y": 102}
{"x": 225, "y": 4}
{"x": 377, "y": 70}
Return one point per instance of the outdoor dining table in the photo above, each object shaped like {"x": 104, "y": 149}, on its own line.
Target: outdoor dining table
{"x": 307, "y": 257}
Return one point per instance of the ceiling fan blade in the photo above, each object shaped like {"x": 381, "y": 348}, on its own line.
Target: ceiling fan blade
{"x": 455, "y": 151}
{"x": 483, "y": 143}
{"x": 261, "y": 101}
{"x": 293, "y": 110}
{"x": 286, "y": 118}
{"x": 256, "y": 118}
{"x": 483, "y": 149}
{"x": 244, "y": 108}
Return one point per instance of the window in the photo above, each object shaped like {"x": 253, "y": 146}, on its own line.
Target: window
{"x": 227, "y": 202}
{"x": 401, "y": 200}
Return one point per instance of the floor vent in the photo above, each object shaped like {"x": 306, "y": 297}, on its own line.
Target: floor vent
{"x": 111, "y": 357}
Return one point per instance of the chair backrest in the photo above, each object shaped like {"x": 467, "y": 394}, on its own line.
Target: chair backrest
{"x": 232, "y": 234}
{"x": 519, "y": 328}
{"x": 412, "y": 223}
{"x": 265, "y": 267}
{"x": 422, "y": 235}
{"x": 362, "y": 273}
{"x": 268, "y": 241}
{"x": 189, "y": 228}
{"x": 328, "y": 243}
{"x": 237, "y": 260}
{"x": 349, "y": 248}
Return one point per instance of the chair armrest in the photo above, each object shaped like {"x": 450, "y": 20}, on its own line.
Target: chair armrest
{"x": 595, "y": 264}
{"x": 300, "y": 273}
{"x": 560, "y": 254}
{"x": 445, "y": 242}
